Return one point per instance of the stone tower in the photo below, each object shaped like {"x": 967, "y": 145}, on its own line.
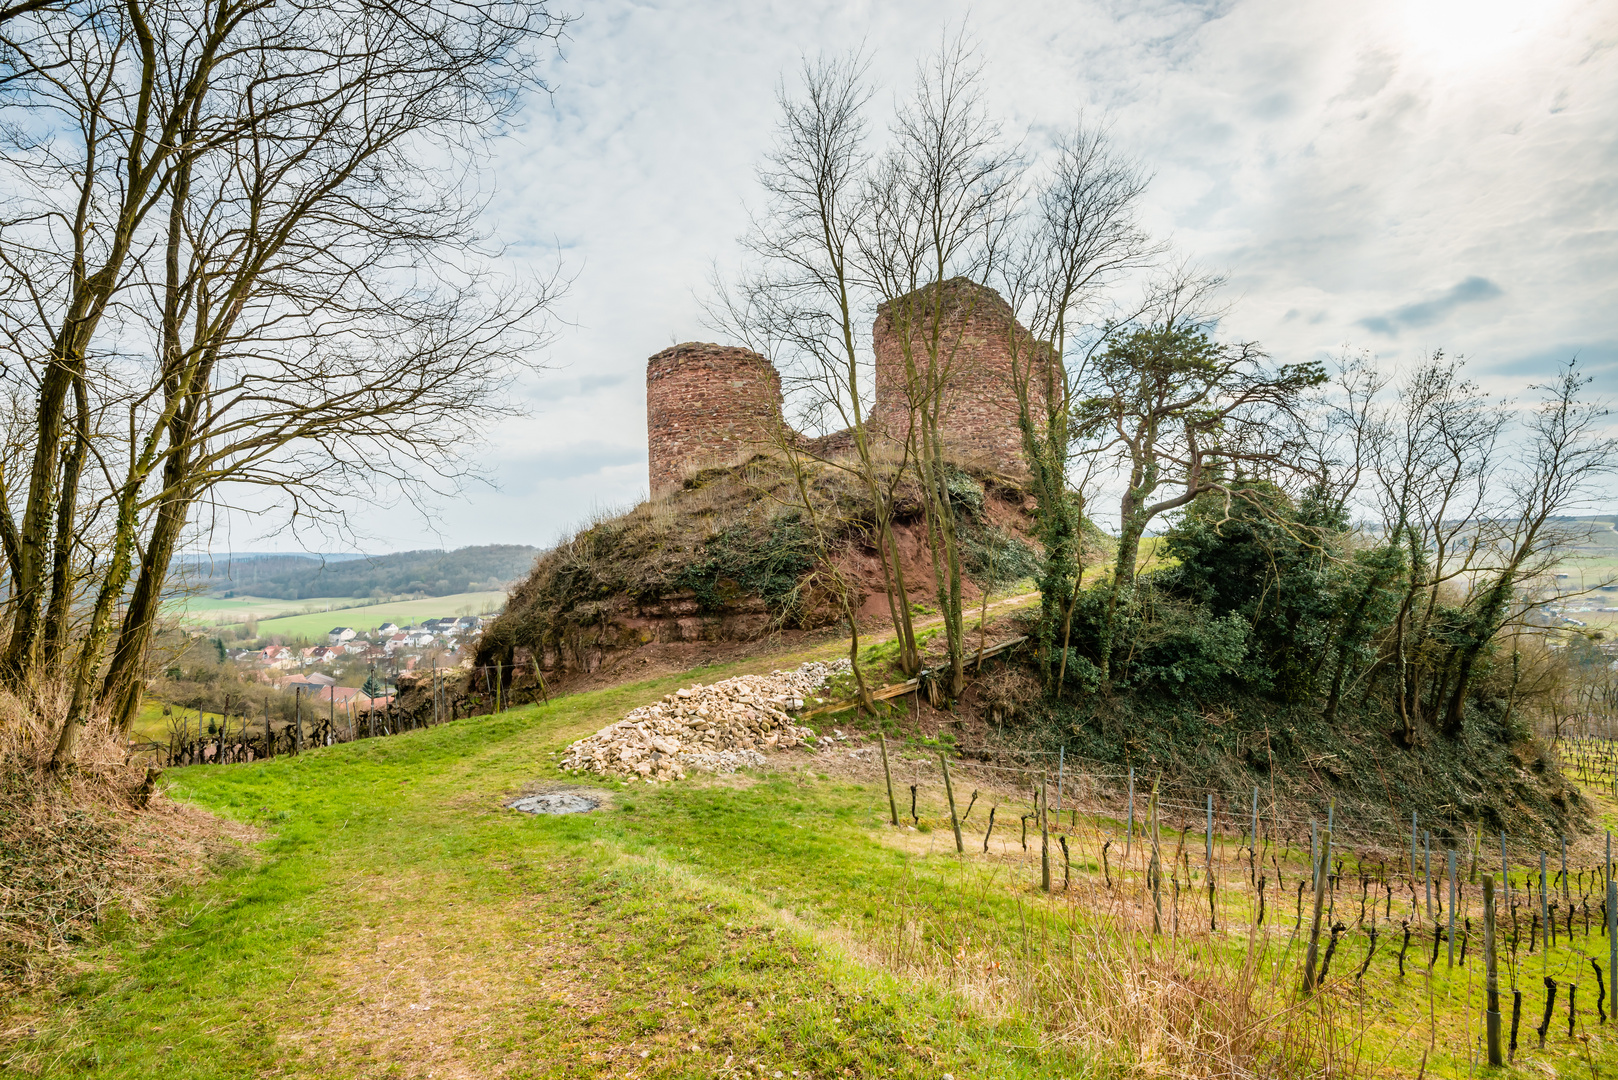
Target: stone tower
{"x": 979, "y": 420}
{"x": 707, "y": 405}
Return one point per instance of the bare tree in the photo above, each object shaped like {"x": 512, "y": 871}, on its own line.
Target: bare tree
{"x": 941, "y": 201}
{"x": 1435, "y": 462}
{"x": 1076, "y": 240}
{"x": 297, "y": 295}
{"x": 1569, "y": 455}
{"x": 803, "y": 303}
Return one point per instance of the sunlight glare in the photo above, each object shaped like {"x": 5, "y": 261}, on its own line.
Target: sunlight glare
{"x": 1462, "y": 33}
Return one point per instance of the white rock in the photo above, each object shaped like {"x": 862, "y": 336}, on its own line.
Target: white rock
{"x": 718, "y": 727}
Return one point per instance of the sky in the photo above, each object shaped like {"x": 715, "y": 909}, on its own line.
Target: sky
{"x": 1395, "y": 177}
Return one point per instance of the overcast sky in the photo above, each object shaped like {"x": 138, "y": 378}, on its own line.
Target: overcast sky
{"x": 1394, "y": 176}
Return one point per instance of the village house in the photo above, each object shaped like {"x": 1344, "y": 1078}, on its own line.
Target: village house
{"x": 338, "y": 635}
{"x": 316, "y": 679}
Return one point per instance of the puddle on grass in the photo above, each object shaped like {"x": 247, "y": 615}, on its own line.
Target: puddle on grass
{"x": 555, "y": 802}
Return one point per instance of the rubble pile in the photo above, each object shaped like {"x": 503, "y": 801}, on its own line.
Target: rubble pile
{"x": 718, "y": 727}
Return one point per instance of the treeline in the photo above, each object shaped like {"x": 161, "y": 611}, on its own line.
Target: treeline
{"x": 406, "y": 573}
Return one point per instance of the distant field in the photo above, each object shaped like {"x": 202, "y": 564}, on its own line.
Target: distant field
{"x": 369, "y": 618}
{"x": 209, "y": 610}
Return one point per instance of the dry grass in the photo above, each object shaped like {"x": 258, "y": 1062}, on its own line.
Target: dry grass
{"x": 1097, "y": 981}
{"x": 388, "y": 1000}
{"x": 75, "y": 848}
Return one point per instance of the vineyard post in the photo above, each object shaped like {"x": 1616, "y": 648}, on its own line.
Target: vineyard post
{"x": 1061, "y": 757}
{"x": 1155, "y": 869}
{"x": 1314, "y": 925}
{"x": 1209, "y": 836}
{"x": 1044, "y": 834}
{"x": 1129, "y": 829}
{"x": 1314, "y": 845}
{"x": 1412, "y": 845}
{"x": 1492, "y": 974}
{"x": 1565, "y": 894}
{"x": 893, "y": 807}
{"x": 1544, "y": 916}
{"x": 1612, "y": 946}
{"x": 435, "y": 690}
{"x": 1255, "y": 820}
{"x": 1427, "y": 868}
{"x": 331, "y": 714}
{"x": 297, "y": 719}
{"x": 1331, "y": 828}
{"x": 1452, "y": 907}
{"x": 954, "y": 821}
{"x": 269, "y": 740}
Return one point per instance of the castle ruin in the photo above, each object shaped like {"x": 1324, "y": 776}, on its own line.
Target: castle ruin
{"x": 717, "y": 405}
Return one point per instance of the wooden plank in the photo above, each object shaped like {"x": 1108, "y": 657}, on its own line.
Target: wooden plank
{"x": 910, "y": 686}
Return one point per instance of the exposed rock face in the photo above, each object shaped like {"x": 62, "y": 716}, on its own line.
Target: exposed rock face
{"x": 626, "y": 624}
{"x": 718, "y": 727}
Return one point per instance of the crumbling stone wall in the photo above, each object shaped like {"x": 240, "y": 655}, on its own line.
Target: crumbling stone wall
{"x": 974, "y": 364}
{"x": 714, "y": 405}
{"x": 707, "y": 405}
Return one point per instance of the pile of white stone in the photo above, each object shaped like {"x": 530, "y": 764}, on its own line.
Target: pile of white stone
{"x": 719, "y": 727}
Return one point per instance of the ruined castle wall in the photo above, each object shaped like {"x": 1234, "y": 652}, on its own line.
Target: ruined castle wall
{"x": 979, "y": 420}
{"x": 707, "y": 405}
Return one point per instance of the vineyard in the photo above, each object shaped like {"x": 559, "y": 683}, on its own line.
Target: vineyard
{"x": 1265, "y": 944}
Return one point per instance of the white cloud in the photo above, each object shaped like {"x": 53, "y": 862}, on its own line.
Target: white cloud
{"x": 1397, "y": 175}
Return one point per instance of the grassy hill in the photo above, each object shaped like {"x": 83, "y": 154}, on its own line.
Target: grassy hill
{"x": 394, "y": 919}
{"x": 405, "y": 573}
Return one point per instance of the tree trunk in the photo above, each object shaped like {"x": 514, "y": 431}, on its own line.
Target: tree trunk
{"x": 58, "y": 611}
{"x": 1123, "y": 582}
{"x": 39, "y": 513}
{"x": 65, "y": 756}
{"x": 124, "y": 683}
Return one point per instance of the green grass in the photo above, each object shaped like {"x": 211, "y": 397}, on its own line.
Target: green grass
{"x": 212, "y": 610}
{"x": 396, "y": 920}
{"x": 573, "y": 939}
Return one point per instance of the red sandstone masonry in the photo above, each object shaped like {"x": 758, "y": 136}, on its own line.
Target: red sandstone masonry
{"x": 979, "y": 419}
{"x": 715, "y": 405}
{"x": 707, "y": 405}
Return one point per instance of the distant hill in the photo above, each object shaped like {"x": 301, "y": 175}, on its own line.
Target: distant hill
{"x": 406, "y": 573}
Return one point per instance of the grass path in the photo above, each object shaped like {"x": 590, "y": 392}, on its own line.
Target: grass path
{"x": 399, "y": 922}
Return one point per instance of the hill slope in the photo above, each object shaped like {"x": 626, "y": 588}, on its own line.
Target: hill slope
{"x": 732, "y": 557}
{"x": 402, "y": 574}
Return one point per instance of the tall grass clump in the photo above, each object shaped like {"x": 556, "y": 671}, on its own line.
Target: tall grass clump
{"x": 79, "y": 847}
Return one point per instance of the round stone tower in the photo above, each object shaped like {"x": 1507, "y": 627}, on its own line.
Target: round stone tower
{"x": 707, "y": 405}
{"x": 973, "y": 368}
